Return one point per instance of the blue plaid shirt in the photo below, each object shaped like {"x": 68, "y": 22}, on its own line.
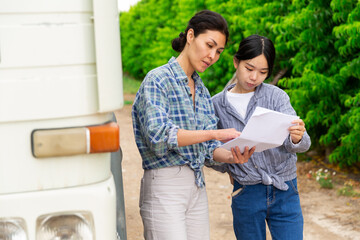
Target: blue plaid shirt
{"x": 163, "y": 105}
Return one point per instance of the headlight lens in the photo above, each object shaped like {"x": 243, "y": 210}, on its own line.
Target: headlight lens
{"x": 13, "y": 229}
{"x": 65, "y": 226}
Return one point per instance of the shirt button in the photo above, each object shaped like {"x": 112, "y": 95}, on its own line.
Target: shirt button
{"x": 256, "y": 166}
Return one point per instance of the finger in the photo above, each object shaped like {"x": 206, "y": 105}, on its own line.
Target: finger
{"x": 238, "y": 153}
{"x": 252, "y": 150}
{"x": 298, "y": 121}
{"x": 235, "y": 132}
{"x": 296, "y": 133}
{"x": 297, "y": 128}
{"x": 246, "y": 154}
{"x": 240, "y": 156}
{"x": 234, "y": 155}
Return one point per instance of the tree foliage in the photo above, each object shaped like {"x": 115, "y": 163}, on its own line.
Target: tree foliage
{"x": 317, "y": 44}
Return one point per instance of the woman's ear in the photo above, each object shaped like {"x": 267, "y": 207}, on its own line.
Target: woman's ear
{"x": 190, "y": 35}
{"x": 236, "y": 62}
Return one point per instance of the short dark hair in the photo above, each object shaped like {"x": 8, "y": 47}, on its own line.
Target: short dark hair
{"x": 255, "y": 45}
{"x": 200, "y": 23}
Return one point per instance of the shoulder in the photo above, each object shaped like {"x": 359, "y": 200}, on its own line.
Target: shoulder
{"x": 155, "y": 80}
{"x": 272, "y": 90}
{"x": 158, "y": 74}
{"x": 159, "y": 78}
{"x": 217, "y": 98}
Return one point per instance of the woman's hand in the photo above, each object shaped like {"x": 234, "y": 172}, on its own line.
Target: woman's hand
{"x": 225, "y": 135}
{"x": 238, "y": 157}
{"x": 297, "y": 131}
{"x": 233, "y": 156}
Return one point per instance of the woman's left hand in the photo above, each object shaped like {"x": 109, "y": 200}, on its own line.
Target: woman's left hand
{"x": 297, "y": 131}
{"x": 238, "y": 157}
{"x": 233, "y": 156}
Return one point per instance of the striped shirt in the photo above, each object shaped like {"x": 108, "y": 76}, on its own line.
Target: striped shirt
{"x": 163, "y": 105}
{"x": 273, "y": 166}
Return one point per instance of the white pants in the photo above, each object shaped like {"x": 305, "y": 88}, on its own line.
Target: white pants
{"x": 172, "y": 207}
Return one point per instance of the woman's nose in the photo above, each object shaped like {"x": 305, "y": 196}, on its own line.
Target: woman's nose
{"x": 212, "y": 54}
{"x": 253, "y": 75}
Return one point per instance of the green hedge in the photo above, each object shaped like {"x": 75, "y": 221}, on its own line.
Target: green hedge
{"x": 318, "y": 57}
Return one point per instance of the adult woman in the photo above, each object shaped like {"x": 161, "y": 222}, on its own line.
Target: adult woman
{"x": 265, "y": 187}
{"x": 174, "y": 122}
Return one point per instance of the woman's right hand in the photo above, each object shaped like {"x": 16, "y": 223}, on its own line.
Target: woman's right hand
{"x": 225, "y": 135}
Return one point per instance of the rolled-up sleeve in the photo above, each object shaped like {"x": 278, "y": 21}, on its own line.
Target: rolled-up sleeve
{"x": 159, "y": 131}
{"x": 213, "y": 144}
{"x": 299, "y": 147}
{"x": 305, "y": 142}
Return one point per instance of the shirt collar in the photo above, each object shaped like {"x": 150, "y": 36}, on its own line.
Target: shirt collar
{"x": 257, "y": 93}
{"x": 179, "y": 72}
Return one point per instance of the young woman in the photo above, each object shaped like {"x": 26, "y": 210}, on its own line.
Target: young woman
{"x": 265, "y": 187}
{"x": 174, "y": 125}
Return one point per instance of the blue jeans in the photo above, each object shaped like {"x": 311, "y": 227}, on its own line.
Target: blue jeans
{"x": 254, "y": 205}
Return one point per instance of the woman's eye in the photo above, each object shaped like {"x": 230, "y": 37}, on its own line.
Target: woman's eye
{"x": 249, "y": 69}
{"x": 209, "y": 45}
{"x": 263, "y": 72}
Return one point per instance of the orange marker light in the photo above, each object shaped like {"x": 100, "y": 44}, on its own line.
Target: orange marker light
{"x": 104, "y": 138}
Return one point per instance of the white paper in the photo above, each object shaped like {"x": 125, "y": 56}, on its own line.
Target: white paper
{"x": 265, "y": 129}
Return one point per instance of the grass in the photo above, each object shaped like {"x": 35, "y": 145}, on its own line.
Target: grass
{"x": 130, "y": 85}
{"x": 348, "y": 190}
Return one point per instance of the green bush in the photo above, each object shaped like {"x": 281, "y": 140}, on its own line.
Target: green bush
{"x": 318, "y": 57}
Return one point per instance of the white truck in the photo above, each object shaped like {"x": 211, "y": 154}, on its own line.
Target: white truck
{"x": 60, "y": 82}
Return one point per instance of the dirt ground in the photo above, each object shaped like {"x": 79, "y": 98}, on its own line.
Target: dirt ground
{"x": 327, "y": 216}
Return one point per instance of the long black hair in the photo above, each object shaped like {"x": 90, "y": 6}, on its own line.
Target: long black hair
{"x": 200, "y": 23}
{"x": 255, "y": 45}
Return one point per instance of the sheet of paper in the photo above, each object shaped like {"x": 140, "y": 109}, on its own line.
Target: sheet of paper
{"x": 265, "y": 129}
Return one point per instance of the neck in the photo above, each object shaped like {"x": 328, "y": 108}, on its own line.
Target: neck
{"x": 237, "y": 89}
{"x": 185, "y": 64}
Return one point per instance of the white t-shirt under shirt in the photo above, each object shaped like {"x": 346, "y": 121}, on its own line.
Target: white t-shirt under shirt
{"x": 240, "y": 101}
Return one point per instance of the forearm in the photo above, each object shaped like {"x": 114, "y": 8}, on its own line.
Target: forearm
{"x": 222, "y": 155}
{"x": 189, "y": 137}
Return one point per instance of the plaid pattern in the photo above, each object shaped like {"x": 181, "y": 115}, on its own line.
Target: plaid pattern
{"x": 163, "y": 105}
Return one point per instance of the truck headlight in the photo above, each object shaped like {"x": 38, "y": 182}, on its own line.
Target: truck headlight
{"x": 13, "y": 229}
{"x": 69, "y": 226}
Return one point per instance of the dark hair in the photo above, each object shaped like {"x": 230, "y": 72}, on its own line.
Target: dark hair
{"x": 200, "y": 23}
{"x": 255, "y": 45}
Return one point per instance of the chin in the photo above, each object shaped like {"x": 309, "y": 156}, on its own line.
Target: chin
{"x": 201, "y": 70}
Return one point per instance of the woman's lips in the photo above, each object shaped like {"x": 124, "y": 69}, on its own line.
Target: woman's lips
{"x": 250, "y": 85}
{"x": 206, "y": 64}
